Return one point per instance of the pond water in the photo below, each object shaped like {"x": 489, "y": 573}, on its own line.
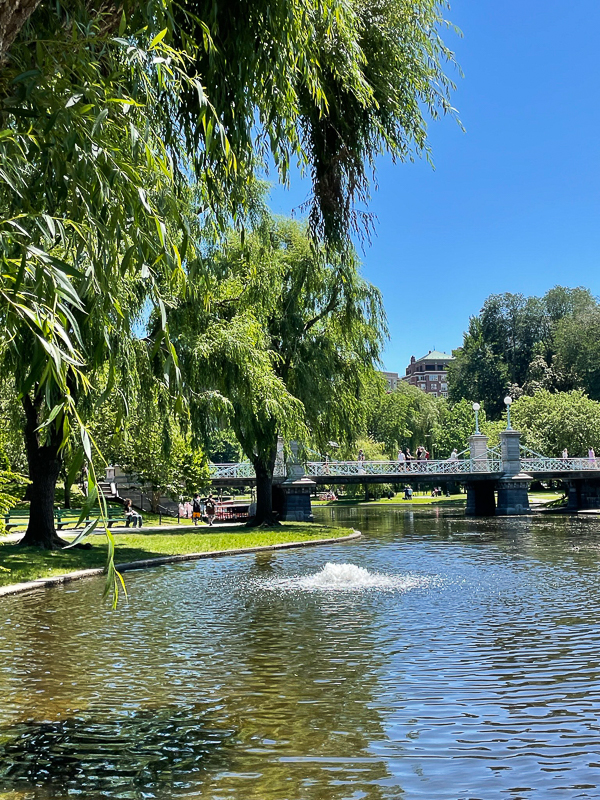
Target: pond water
{"x": 436, "y": 657}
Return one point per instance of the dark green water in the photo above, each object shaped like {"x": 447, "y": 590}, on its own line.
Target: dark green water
{"x": 463, "y": 663}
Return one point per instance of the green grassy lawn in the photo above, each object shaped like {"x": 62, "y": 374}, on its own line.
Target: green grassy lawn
{"x": 149, "y": 520}
{"x": 544, "y": 497}
{"x": 19, "y": 564}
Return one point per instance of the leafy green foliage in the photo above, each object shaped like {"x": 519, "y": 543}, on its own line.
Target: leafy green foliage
{"x": 406, "y": 417}
{"x": 550, "y": 422}
{"x": 104, "y": 123}
{"x": 223, "y": 447}
{"x": 456, "y": 424}
{"x": 286, "y": 343}
{"x": 522, "y": 344}
{"x": 577, "y": 358}
{"x": 330, "y": 84}
{"x": 11, "y": 484}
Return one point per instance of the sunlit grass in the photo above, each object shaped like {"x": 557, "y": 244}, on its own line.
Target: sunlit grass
{"x": 18, "y": 564}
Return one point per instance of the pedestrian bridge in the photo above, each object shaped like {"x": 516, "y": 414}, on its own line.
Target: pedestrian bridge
{"x": 496, "y": 479}
{"x": 346, "y": 472}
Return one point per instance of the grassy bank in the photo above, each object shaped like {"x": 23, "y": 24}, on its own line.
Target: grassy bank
{"x": 18, "y": 564}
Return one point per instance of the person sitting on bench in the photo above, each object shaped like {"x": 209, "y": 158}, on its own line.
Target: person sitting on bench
{"x": 131, "y": 515}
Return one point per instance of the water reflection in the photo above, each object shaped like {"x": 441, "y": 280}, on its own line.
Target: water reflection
{"x": 159, "y": 752}
{"x": 465, "y": 666}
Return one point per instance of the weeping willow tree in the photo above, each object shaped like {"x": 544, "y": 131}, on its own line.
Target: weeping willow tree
{"x": 290, "y": 339}
{"x": 108, "y": 110}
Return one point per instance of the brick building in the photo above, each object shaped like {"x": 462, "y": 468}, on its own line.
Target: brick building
{"x": 429, "y": 373}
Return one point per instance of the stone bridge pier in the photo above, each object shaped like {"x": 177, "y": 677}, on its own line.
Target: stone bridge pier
{"x": 511, "y": 487}
{"x": 481, "y": 500}
{"x": 583, "y": 493}
{"x": 291, "y": 499}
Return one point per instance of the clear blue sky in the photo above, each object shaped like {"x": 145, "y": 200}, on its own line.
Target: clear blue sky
{"x": 513, "y": 204}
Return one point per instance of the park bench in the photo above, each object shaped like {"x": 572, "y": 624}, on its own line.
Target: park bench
{"x": 64, "y": 517}
{"x": 14, "y": 519}
{"x": 67, "y": 516}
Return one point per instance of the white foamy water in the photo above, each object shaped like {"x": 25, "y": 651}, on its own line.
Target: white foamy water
{"x": 346, "y": 578}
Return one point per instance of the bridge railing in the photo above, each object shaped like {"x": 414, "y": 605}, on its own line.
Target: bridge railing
{"x": 392, "y": 469}
{"x": 401, "y": 468}
{"x": 542, "y": 464}
{"x": 243, "y": 470}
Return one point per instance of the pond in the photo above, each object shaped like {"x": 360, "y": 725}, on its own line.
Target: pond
{"x": 436, "y": 657}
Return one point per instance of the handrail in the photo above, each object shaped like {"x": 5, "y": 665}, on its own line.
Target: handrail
{"x": 543, "y": 464}
{"x": 402, "y": 468}
{"x": 488, "y": 462}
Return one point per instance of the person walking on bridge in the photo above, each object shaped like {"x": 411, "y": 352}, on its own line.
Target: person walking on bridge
{"x": 361, "y": 461}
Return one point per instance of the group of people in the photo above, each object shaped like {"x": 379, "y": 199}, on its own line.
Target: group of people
{"x": 199, "y": 508}
{"x": 195, "y": 511}
{"x": 422, "y": 454}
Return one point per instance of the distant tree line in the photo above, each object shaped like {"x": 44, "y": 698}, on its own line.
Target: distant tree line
{"x": 520, "y": 345}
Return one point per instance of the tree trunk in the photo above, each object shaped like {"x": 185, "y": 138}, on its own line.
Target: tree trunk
{"x": 264, "y": 491}
{"x": 13, "y": 15}
{"x": 44, "y": 467}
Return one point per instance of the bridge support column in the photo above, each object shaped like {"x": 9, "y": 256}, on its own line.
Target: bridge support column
{"x": 513, "y": 486}
{"x": 297, "y": 489}
{"x": 481, "y": 501}
{"x": 584, "y": 493}
{"x": 512, "y": 495}
{"x": 478, "y": 448}
{"x": 296, "y": 506}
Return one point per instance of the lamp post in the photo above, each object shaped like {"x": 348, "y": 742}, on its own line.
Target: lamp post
{"x": 476, "y": 408}
{"x": 507, "y": 403}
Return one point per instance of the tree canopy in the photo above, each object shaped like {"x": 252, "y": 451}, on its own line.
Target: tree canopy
{"x": 114, "y": 115}
{"x": 406, "y": 417}
{"x": 522, "y": 344}
{"x": 289, "y": 338}
{"x": 551, "y": 422}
